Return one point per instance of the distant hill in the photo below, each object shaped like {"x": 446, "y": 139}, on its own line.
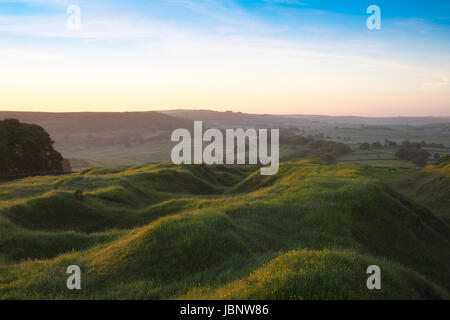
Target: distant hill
{"x": 233, "y": 119}
{"x": 411, "y": 121}
{"x": 237, "y": 117}
{"x": 98, "y": 121}
{"x": 130, "y": 138}
{"x": 171, "y": 119}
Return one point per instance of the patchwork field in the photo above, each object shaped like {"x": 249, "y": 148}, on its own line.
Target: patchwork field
{"x": 161, "y": 231}
{"x": 383, "y": 157}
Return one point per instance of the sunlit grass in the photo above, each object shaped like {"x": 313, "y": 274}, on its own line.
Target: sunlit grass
{"x": 164, "y": 231}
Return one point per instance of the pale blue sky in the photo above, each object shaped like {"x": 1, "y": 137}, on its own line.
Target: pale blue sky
{"x": 273, "y": 56}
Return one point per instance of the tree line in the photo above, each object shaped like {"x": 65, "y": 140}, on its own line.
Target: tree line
{"x": 388, "y": 144}
{"x": 407, "y": 150}
{"x": 327, "y": 151}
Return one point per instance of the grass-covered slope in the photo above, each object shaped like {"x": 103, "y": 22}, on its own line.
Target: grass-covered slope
{"x": 431, "y": 187}
{"x": 165, "y": 231}
{"x": 324, "y": 274}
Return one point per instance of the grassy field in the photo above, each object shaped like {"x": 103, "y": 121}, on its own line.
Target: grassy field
{"x": 158, "y": 150}
{"x": 374, "y": 157}
{"x": 161, "y": 231}
{"x": 135, "y": 138}
{"x": 383, "y": 157}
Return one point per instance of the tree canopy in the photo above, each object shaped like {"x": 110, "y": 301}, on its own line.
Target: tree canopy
{"x": 417, "y": 156}
{"x": 26, "y": 148}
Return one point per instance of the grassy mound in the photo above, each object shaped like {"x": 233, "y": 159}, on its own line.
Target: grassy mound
{"x": 431, "y": 187}
{"x": 113, "y": 198}
{"x": 165, "y": 231}
{"x": 188, "y": 243}
{"x": 324, "y": 274}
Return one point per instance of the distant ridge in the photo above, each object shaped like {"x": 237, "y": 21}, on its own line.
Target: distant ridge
{"x": 182, "y": 118}
{"x": 208, "y": 115}
{"x": 97, "y": 121}
{"x": 412, "y": 121}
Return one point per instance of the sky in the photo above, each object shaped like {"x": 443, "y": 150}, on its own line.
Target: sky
{"x": 266, "y": 56}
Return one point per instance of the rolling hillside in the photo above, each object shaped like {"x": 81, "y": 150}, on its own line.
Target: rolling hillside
{"x": 91, "y": 122}
{"x": 112, "y": 139}
{"x": 431, "y": 187}
{"x": 161, "y": 231}
{"x": 107, "y": 138}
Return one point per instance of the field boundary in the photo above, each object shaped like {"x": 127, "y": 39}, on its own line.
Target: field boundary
{"x": 12, "y": 177}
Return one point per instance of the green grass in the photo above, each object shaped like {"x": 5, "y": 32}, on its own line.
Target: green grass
{"x": 324, "y": 274}
{"x": 430, "y": 187}
{"x": 161, "y": 231}
{"x": 374, "y": 157}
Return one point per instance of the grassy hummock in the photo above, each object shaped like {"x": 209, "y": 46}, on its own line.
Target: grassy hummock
{"x": 161, "y": 231}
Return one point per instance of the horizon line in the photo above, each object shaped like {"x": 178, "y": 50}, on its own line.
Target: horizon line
{"x": 238, "y": 112}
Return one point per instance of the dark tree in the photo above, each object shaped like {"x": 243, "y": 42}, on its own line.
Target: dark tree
{"x": 364, "y": 146}
{"x": 5, "y": 158}
{"x": 26, "y": 148}
{"x": 390, "y": 144}
{"x": 436, "y": 156}
{"x": 417, "y": 156}
{"x": 376, "y": 145}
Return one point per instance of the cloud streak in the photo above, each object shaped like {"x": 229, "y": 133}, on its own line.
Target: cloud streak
{"x": 206, "y": 53}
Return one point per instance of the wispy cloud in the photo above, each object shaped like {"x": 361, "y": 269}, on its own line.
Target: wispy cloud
{"x": 442, "y": 83}
{"x": 290, "y": 2}
{"x": 211, "y": 50}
